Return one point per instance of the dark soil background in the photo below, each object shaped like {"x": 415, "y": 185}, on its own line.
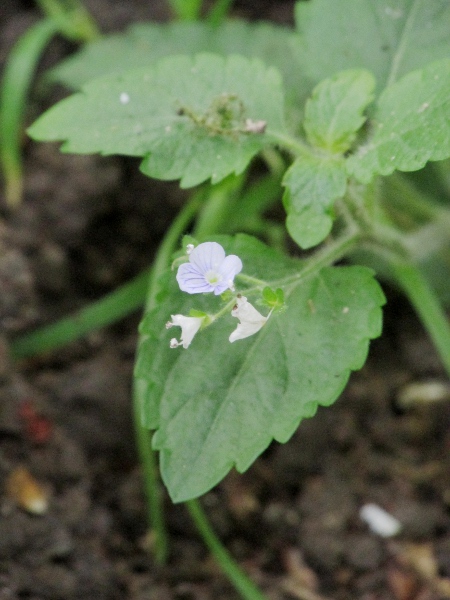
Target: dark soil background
{"x": 88, "y": 224}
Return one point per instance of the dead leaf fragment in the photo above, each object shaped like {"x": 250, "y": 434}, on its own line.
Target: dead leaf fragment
{"x": 26, "y": 492}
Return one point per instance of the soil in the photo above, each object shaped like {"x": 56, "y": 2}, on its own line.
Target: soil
{"x": 72, "y": 510}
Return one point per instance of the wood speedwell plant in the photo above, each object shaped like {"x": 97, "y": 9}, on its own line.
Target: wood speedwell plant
{"x": 333, "y": 117}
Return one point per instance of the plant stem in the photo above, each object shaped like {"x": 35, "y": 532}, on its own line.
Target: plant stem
{"x": 143, "y": 435}
{"x": 405, "y": 194}
{"x": 400, "y": 251}
{"x": 72, "y": 19}
{"x": 218, "y": 12}
{"x": 169, "y": 244}
{"x": 186, "y": 10}
{"x": 292, "y": 144}
{"x": 250, "y": 279}
{"x": 17, "y": 77}
{"x": 427, "y": 305}
{"x": 107, "y": 310}
{"x": 238, "y": 578}
{"x": 324, "y": 257}
{"x": 152, "y": 486}
{"x": 219, "y": 203}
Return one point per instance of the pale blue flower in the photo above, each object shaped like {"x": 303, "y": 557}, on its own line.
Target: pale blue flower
{"x": 208, "y": 270}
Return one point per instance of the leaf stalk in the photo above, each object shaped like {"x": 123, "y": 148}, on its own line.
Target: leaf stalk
{"x": 238, "y": 578}
{"x": 422, "y": 297}
{"x": 16, "y": 82}
{"x": 152, "y": 485}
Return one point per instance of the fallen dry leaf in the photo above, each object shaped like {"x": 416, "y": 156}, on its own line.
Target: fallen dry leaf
{"x": 26, "y": 492}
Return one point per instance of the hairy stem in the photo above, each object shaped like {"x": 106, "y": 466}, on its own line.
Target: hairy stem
{"x": 249, "y": 279}
{"x": 152, "y": 486}
{"x": 401, "y": 192}
{"x": 427, "y": 305}
{"x": 238, "y": 578}
{"x": 289, "y": 143}
{"x": 218, "y": 12}
{"x": 72, "y": 19}
{"x": 143, "y": 435}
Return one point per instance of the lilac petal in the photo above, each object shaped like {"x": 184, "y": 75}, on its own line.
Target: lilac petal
{"x": 230, "y": 267}
{"x": 191, "y": 280}
{"x": 207, "y": 257}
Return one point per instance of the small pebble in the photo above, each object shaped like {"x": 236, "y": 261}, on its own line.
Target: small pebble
{"x": 423, "y": 392}
{"x": 379, "y": 521}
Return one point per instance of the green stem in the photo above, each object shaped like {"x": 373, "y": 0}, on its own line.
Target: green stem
{"x": 427, "y": 240}
{"x": 275, "y": 163}
{"x": 72, "y": 19}
{"x": 169, "y": 244}
{"x": 238, "y": 578}
{"x": 294, "y": 145}
{"x": 219, "y": 203}
{"x": 223, "y": 311}
{"x": 427, "y": 305}
{"x": 107, "y": 310}
{"x": 151, "y": 483}
{"x": 186, "y": 10}
{"x": 324, "y": 257}
{"x": 250, "y": 279}
{"x": 143, "y": 435}
{"x": 441, "y": 172}
{"x": 152, "y": 486}
{"x": 403, "y": 42}
{"x": 218, "y": 12}
{"x": 401, "y": 192}
{"x": 17, "y": 78}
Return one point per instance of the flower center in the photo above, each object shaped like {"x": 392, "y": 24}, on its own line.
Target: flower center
{"x": 213, "y": 278}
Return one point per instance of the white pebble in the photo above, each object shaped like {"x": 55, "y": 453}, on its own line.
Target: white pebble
{"x": 379, "y": 521}
{"x": 423, "y": 392}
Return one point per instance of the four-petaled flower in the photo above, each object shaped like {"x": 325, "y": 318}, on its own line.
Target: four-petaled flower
{"x": 250, "y": 319}
{"x": 189, "y": 327}
{"x": 208, "y": 270}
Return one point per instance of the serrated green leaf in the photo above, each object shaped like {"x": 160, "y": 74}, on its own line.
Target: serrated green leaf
{"x": 334, "y": 113}
{"x": 186, "y": 116}
{"x": 333, "y": 116}
{"x": 387, "y": 38}
{"x": 219, "y": 405}
{"x": 312, "y": 184}
{"x": 411, "y": 125}
{"x": 145, "y": 43}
